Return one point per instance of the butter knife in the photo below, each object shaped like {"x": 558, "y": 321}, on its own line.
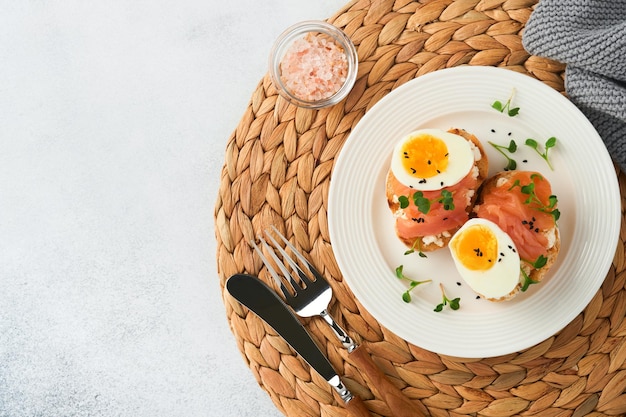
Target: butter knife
{"x": 259, "y": 298}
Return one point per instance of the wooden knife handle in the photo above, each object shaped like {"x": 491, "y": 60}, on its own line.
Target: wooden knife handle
{"x": 399, "y": 404}
{"x": 357, "y": 408}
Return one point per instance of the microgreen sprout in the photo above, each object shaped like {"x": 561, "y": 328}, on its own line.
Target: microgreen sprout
{"x": 423, "y": 204}
{"x": 447, "y": 200}
{"x": 534, "y": 201}
{"x": 454, "y": 304}
{"x": 539, "y": 263}
{"x": 406, "y": 296}
{"x": 512, "y": 112}
{"x": 417, "y": 243}
{"x": 550, "y": 143}
{"x": 511, "y": 148}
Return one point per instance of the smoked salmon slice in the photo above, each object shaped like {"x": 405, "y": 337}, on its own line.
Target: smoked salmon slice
{"x": 521, "y": 203}
{"x": 411, "y": 223}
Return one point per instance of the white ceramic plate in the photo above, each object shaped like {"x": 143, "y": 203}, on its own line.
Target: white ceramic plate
{"x": 368, "y": 251}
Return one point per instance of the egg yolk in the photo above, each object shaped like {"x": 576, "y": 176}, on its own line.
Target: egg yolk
{"x": 477, "y": 248}
{"x": 424, "y": 156}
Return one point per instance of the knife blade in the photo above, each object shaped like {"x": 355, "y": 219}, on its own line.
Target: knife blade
{"x": 259, "y": 298}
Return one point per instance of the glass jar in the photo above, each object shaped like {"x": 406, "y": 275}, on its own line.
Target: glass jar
{"x": 313, "y": 64}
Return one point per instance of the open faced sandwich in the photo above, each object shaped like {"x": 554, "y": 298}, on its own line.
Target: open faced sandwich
{"x": 522, "y": 205}
{"x": 431, "y": 185}
{"x": 513, "y": 240}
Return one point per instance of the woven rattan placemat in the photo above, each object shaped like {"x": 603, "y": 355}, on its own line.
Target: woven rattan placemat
{"x": 277, "y": 170}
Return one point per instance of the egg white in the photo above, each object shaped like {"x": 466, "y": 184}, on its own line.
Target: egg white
{"x": 461, "y": 158}
{"x": 503, "y": 278}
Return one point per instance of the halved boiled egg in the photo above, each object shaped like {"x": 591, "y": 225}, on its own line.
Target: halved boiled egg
{"x": 431, "y": 159}
{"x": 487, "y": 259}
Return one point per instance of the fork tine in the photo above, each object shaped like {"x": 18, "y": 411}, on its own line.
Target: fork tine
{"x": 293, "y": 283}
{"x": 270, "y": 268}
{"x": 296, "y": 268}
{"x": 301, "y": 257}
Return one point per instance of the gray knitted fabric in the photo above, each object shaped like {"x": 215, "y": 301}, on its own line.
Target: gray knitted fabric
{"x": 589, "y": 36}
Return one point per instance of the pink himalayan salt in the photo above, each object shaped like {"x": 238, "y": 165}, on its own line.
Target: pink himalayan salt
{"x": 314, "y": 67}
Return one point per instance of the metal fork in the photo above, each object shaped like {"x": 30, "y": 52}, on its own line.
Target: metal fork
{"x": 309, "y": 294}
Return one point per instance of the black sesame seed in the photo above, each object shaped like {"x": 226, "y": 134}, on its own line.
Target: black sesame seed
{"x": 525, "y": 161}
{"x": 478, "y": 297}
{"x": 458, "y": 283}
{"x": 493, "y": 130}
{"x": 510, "y": 133}
{"x": 429, "y": 162}
{"x": 413, "y": 170}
